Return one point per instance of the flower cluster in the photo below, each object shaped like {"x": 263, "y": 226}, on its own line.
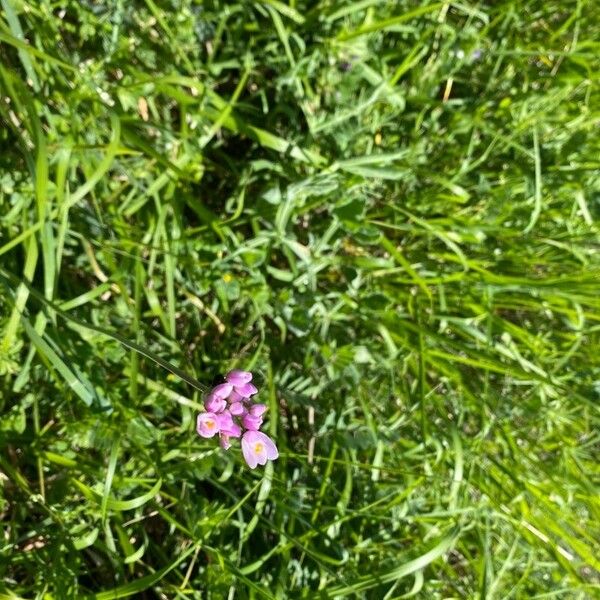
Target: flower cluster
{"x": 231, "y": 413}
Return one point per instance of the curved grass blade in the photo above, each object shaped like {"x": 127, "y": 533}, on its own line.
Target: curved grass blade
{"x": 119, "y": 505}
{"x": 110, "y": 473}
{"x": 391, "y": 22}
{"x": 418, "y": 564}
{"x": 139, "y": 585}
{"x": 86, "y": 540}
{"x": 21, "y": 45}
{"x": 104, "y": 165}
{"x": 7, "y": 275}
{"x": 17, "y": 31}
{"x": 80, "y": 388}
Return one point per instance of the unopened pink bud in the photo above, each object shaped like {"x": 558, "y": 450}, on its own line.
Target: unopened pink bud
{"x": 251, "y": 423}
{"x": 238, "y": 378}
{"x": 237, "y": 408}
{"x": 258, "y": 410}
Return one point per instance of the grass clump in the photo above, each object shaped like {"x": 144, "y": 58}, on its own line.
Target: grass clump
{"x": 387, "y": 210}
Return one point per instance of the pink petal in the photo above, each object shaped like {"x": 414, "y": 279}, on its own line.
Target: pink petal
{"x": 234, "y": 431}
{"x": 237, "y": 408}
{"x": 246, "y": 390}
{"x": 238, "y": 377}
{"x": 257, "y": 448}
{"x": 257, "y": 410}
{"x": 225, "y": 420}
{"x": 261, "y": 457}
{"x": 235, "y": 397}
{"x": 251, "y": 437}
{"x": 267, "y": 442}
{"x": 225, "y": 443}
{"x": 207, "y": 424}
{"x": 271, "y": 448}
{"x": 248, "y": 452}
{"x": 251, "y": 423}
{"x": 222, "y": 390}
{"x": 214, "y": 404}
{"x": 227, "y": 425}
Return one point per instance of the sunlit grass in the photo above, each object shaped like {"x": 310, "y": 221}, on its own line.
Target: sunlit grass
{"x": 387, "y": 210}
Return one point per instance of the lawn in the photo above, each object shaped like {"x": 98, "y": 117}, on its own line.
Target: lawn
{"x": 387, "y": 211}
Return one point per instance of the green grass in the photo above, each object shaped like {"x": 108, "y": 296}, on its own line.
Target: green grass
{"x": 387, "y": 210}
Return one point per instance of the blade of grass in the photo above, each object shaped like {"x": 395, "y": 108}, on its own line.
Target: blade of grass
{"x": 17, "y": 32}
{"x": 372, "y": 580}
{"x": 144, "y": 583}
{"x": 391, "y": 22}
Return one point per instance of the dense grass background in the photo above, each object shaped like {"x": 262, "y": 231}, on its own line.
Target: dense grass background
{"x": 387, "y": 210}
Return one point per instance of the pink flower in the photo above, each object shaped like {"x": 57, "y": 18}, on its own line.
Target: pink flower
{"x": 222, "y": 390}
{"x": 258, "y": 410}
{"x": 214, "y": 404}
{"x": 257, "y": 448}
{"x": 237, "y": 408}
{"x": 235, "y": 397}
{"x": 207, "y": 424}
{"x": 251, "y": 423}
{"x": 246, "y": 390}
{"x": 238, "y": 378}
{"x": 241, "y": 386}
{"x": 231, "y": 413}
{"x": 227, "y": 425}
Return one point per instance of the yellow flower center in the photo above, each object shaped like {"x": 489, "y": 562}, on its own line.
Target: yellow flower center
{"x": 210, "y": 424}
{"x": 258, "y": 448}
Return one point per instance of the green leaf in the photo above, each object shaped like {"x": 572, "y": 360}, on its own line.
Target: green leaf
{"x": 144, "y": 583}
{"x": 118, "y": 505}
{"x": 418, "y": 564}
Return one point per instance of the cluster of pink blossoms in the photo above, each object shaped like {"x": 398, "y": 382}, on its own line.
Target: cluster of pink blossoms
{"x": 231, "y": 413}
